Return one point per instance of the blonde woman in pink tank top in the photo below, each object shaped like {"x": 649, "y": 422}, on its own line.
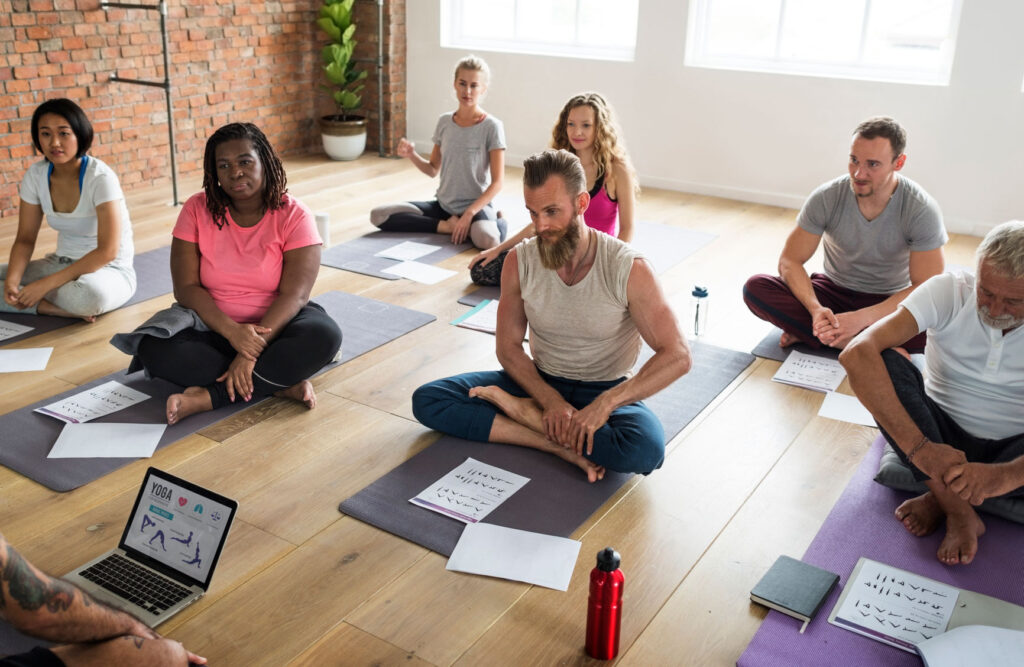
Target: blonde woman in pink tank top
{"x": 586, "y": 126}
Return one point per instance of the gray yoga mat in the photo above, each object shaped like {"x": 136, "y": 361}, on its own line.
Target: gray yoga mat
{"x": 769, "y": 348}
{"x": 357, "y": 255}
{"x": 553, "y": 482}
{"x": 153, "y": 277}
{"x": 365, "y": 324}
{"x": 664, "y": 246}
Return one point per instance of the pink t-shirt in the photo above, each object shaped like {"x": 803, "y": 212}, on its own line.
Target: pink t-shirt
{"x": 241, "y": 266}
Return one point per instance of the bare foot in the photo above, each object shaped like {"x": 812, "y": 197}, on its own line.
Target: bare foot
{"x": 523, "y": 411}
{"x": 787, "y": 339}
{"x": 920, "y": 515}
{"x": 446, "y": 226}
{"x": 902, "y": 352}
{"x": 302, "y": 392}
{"x": 187, "y": 403}
{"x": 960, "y": 544}
{"x": 594, "y": 471}
{"x": 47, "y": 308}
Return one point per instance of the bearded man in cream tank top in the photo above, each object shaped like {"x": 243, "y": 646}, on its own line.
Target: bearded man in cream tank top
{"x": 589, "y": 301}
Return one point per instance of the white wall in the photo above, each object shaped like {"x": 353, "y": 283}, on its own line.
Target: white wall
{"x": 768, "y": 138}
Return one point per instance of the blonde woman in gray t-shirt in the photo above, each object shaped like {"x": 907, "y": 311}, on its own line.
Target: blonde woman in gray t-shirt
{"x": 469, "y": 155}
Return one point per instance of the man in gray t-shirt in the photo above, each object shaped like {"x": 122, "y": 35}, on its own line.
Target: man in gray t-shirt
{"x": 882, "y": 235}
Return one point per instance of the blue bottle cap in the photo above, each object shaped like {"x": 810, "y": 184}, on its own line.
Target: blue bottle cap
{"x": 699, "y": 292}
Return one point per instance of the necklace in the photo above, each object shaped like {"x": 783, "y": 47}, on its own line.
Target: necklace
{"x": 583, "y": 260}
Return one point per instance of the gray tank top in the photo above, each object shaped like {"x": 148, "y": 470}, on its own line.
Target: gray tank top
{"x": 583, "y": 331}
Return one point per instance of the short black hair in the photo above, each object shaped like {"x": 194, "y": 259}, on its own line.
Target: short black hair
{"x": 70, "y": 112}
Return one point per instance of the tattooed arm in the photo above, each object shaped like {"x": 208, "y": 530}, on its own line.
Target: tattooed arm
{"x": 53, "y": 609}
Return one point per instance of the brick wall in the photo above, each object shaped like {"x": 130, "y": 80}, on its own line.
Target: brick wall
{"x": 230, "y": 61}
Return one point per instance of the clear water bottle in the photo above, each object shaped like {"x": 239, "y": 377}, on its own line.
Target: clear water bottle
{"x": 323, "y": 226}
{"x": 699, "y": 309}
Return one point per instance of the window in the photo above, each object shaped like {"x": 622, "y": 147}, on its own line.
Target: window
{"x": 597, "y": 29}
{"x": 885, "y": 40}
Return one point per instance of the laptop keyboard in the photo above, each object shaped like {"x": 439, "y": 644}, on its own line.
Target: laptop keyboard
{"x": 135, "y": 583}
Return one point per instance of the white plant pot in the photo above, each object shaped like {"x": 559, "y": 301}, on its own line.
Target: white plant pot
{"x": 343, "y": 140}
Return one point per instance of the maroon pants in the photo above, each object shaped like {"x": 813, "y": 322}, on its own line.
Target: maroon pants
{"x": 770, "y": 298}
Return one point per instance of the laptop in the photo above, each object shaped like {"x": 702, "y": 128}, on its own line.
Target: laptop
{"x": 168, "y": 551}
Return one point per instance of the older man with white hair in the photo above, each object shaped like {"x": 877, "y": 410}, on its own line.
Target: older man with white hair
{"x": 960, "y": 428}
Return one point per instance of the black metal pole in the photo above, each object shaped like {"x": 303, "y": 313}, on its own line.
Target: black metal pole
{"x": 380, "y": 78}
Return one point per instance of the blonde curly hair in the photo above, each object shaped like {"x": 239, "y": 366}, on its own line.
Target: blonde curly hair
{"x": 608, "y": 144}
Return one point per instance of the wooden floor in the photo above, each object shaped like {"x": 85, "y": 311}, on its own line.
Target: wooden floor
{"x": 299, "y": 583}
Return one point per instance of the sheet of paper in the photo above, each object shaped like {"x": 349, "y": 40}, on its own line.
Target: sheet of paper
{"x": 92, "y": 403}
{"x": 30, "y": 359}
{"x": 408, "y": 251}
{"x": 973, "y": 645}
{"x": 845, "y": 408}
{"x": 427, "y": 274}
{"x": 102, "y": 440}
{"x": 896, "y": 607}
{"x": 811, "y": 372}
{"x": 515, "y": 554}
{"x": 10, "y": 329}
{"x": 470, "y": 492}
{"x": 483, "y": 317}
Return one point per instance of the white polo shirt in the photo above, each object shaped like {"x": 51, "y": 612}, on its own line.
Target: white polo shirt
{"x": 974, "y": 372}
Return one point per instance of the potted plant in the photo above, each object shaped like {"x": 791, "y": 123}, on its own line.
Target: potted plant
{"x": 344, "y": 132}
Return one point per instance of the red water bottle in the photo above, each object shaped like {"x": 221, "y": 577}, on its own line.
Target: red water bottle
{"x": 604, "y": 609}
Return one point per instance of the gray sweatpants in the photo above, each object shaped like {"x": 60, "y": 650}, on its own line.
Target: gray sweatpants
{"x": 88, "y": 295}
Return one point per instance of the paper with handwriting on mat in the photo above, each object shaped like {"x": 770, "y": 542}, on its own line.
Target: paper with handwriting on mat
{"x": 519, "y": 555}
{"x": 428, "y": 274}
{"x": 810, "y": 372}
{"x": 845, "y": 408}
{"x": 483, "y": 317}
{"x": 28, "y": 359}
{"x": 407, "y": 251}
{"x": 92, "y": 403}
{"x": 470, "y": 492}
{"x": 11, "y": 329}
{"x": 107, "y": 440}
{"x": 894, "y": 606}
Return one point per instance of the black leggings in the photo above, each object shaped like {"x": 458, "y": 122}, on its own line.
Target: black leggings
{"x": 197, "y": 358}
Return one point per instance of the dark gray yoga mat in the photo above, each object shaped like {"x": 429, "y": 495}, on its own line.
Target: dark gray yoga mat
{"x": 769, "y": 348}
{"x": 553, "y": 482}
{"x": 153, "y": 277}
{"x": 365, "y": 324}
{"x": 475, "y": 298}
{"x": 357, "y": 255}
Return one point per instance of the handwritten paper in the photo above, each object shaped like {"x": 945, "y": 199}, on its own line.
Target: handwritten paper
{"x": 104, "y": 440}
{"x": 844, "y": 408}
{"x": 519, "y": 555}
{"x": 92, "y": 403}
{"x": 483, "y": 317}
{"x": 470, "y": 492}
{"x": 895, "y": 607}
{"x": 29, "y": 359}
{"x": 408, "y": 251}
{"x": 428, "y": 274}
{"x": 10, "y": 329}
{"x": 810, "y": 372}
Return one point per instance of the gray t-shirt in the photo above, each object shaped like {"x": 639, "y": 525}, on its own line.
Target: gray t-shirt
{"x": 465, "y": 160}
{"x": 583, "y": 331}
{"x": 872, "y": 257}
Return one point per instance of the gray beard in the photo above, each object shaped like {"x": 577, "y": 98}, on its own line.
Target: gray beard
{"x": 1001, "y": 323}
{"x": 556, "y": 254}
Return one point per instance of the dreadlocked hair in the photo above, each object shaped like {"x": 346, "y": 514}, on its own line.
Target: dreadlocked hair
{"x": 274, "y": 179}
{"x": 608, "y": 143}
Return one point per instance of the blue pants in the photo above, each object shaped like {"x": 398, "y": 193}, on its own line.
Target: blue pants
{"x": 632, "y": 440}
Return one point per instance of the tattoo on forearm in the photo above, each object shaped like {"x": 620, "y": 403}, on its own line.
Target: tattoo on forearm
{"x": 139, "y": 641}
{"x": 32, "y": 592}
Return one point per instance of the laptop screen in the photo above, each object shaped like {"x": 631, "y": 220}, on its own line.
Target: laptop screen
{"x": 179, "y": 524}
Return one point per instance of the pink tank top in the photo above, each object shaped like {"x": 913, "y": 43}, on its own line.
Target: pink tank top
{"x": 603, "y": 212}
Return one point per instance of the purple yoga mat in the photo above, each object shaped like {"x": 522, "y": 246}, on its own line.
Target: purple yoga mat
{"x": 862, "y": 524}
